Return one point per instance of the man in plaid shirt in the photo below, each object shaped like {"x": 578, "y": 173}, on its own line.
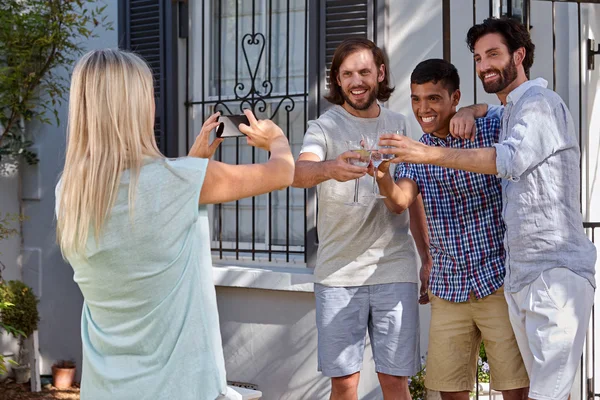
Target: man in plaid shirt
{"x": 465, "y": 231}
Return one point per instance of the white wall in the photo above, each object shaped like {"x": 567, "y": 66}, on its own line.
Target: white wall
{"x": 43, "y": 267}
{"x": 591, "y": 112}
{"x": 568, "y": 52}
{"x": 416, "y": 35}
{"x": 270, "y": 340}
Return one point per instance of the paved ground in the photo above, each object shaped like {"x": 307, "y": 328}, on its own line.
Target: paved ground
{"x": 9, "y": 390}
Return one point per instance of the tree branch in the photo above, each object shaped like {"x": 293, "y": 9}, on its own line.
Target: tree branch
{"x": 14, "y": 116}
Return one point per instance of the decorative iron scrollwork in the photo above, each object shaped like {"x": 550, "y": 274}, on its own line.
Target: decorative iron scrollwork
{"x": 251, "y": 40}
{"x": 254, "y": 98}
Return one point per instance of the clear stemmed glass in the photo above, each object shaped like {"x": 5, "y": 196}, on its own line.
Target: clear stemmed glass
{"x": 372, "y": 144}
{"x": 363, "y": 161}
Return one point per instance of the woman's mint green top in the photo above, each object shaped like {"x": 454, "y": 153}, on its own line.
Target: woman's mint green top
{"x": 150, "y": 326}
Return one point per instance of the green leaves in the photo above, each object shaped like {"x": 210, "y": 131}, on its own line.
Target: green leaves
{"x": 16, "y": 144}
{"x": 21, "y": 317}
{"x": 38, "y": 37}
{"x": 9, "y": 329}
{"x": 7, "y": 230}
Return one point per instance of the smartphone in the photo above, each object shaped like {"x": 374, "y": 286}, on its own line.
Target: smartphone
{"x": 228, "y": 126}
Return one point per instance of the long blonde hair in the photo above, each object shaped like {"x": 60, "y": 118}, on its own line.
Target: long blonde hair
{"x": 110, "y": 130}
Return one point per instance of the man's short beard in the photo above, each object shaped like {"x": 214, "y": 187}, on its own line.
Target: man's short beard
{"x": 508, "y": 75}
{"x": 366, "y": 105}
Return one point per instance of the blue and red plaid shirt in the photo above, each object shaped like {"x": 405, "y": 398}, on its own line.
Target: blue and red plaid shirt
{"x": 464, "y": 216}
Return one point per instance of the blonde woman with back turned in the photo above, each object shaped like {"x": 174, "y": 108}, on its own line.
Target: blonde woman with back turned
{"x": 134, "y": 227}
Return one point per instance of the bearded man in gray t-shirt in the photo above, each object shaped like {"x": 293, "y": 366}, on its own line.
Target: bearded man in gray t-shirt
{"x": 366, "y": 270}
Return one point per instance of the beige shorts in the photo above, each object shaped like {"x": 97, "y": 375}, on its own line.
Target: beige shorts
{"x": 455, "y": 334}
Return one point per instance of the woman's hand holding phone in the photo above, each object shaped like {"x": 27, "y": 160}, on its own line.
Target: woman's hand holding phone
{"x": 201, "y": 148}
{"x": 261, "y": 133}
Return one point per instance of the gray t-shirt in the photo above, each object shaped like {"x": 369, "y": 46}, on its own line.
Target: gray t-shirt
{"x": 357, "y": 245}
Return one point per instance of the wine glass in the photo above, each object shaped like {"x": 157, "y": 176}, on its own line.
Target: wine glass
{"x": 386, "y": 157}
{"x": 356, "y": 146}
{"x": 400, "y": 130}
{"x": 371, "y": 143}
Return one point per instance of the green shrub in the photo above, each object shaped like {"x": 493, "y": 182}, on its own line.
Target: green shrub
{"x": 21, "y": 316}
{"x": 4, "y": 305}
{"x": 6, "y": 230}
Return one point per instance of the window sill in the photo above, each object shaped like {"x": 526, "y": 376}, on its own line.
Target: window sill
{"x": 253, "y": 276}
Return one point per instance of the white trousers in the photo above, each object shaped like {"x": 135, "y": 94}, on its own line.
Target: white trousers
{"x": 550, "y": 317}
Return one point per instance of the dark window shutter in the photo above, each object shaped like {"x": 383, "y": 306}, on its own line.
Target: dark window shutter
{"x": 343, "y": 20}
{"x": 148, "y": 28}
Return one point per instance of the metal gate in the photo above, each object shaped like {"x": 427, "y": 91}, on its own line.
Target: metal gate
{"x": 271, "y": 57}
{"x": 252, "y": 55}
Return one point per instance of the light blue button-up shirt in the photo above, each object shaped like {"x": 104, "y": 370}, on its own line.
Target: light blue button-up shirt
{"x": 538, "y": 158}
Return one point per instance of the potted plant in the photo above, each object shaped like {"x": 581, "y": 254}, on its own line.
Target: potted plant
{"x": 63, "y": 374}
{"x": 23, "y": 316}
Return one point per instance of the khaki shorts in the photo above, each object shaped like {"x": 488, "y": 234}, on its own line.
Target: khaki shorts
{"x": 455, "y": 334}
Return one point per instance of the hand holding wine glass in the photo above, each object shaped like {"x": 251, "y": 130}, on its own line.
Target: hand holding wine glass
{"x": 384, "y": 168}
{"x": 380, "y": 164}
{"x": 369, "y": 142}
{"x": 342, "y": 169}
{"x": 363, "y": 160}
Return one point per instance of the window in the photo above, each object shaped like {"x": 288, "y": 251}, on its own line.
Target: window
{"x": 265, "y": 55}
{"x": 253, "y": 54}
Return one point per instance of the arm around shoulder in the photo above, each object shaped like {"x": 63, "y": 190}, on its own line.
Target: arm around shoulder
{"x": 462, "y": 124}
